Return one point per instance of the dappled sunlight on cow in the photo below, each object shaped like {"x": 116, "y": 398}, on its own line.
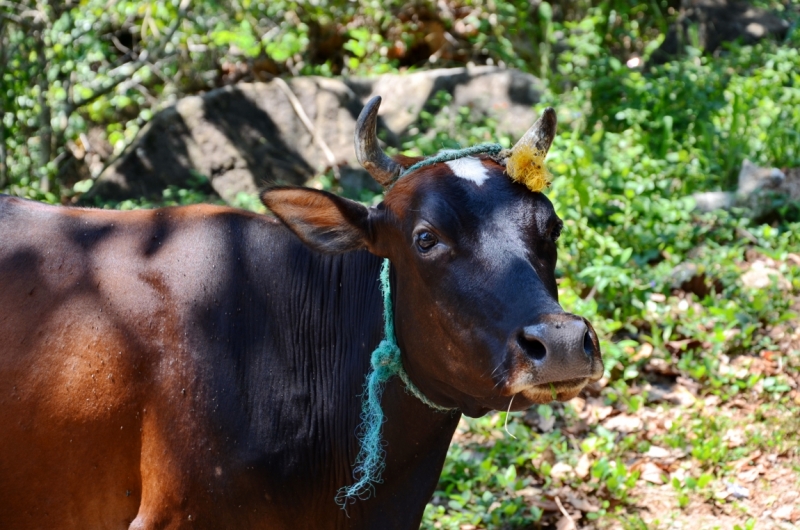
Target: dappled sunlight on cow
{"x": 203, "y": 366}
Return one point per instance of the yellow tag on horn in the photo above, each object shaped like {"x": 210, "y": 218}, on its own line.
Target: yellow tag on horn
{"x": 526, "y": 166}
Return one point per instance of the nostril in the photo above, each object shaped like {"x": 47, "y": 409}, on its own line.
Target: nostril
{"x": 533, "y": 348}
{"x": 588, "y": 344}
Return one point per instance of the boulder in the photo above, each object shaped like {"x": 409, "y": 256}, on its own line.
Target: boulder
{"x": 760, "y": 192}
{"x": 239, "y": 137}
{"x": 245, "y": 136}
{"x": 506, "y": 95}
{"x": 708, "y": 23}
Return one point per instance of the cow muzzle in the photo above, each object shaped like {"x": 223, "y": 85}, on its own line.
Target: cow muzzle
{"x": 557, "y": 356}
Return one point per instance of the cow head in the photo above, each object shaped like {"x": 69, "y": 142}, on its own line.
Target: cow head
{"x": 474, "y": 255}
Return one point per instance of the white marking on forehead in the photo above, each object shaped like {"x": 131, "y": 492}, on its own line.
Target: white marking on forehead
{"x": 469, "y": 168}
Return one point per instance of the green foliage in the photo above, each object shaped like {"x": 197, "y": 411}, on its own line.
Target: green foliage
{"x": 633, "y": 145}
{"x": 67, "y": 68}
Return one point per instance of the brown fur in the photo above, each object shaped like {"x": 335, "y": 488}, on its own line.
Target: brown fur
{"x": 95, "y": 364}
{"x": 200, "y": 367}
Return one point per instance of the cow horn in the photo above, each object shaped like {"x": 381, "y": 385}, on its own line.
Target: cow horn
{"x": 382, "y": 168}
{"x": 541, "y": 133}
{"x": 525, "y": 162}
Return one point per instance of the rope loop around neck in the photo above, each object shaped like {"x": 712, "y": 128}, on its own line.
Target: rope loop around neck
{"x": 386, "y": 362}
{"x": 393, "y": 356}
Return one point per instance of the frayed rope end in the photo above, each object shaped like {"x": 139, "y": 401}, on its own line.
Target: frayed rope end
{"x": 370, "y": 463}
{"x": 386, "y": 362}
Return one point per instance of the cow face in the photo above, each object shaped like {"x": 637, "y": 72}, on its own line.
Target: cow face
{"x": 474, "y": 254}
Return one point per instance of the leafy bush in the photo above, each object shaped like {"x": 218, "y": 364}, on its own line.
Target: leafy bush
{"x": 633, "y": 145}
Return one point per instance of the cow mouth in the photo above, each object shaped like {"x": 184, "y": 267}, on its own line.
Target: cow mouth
{"x": 533, "y": 391}
{"x": 556, "y": 391}
{"x": 570, "y": 388}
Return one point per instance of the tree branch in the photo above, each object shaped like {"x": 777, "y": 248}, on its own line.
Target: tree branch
{"x": 14, "y": 18}
{"x": 131, "y": 68}
{"x": 301, "y": 113}
{"x": 12, "y": 5}
{"x": 3, "y": 156}
{"x": 38, "y": 16}
{"x": 45, "y": 128}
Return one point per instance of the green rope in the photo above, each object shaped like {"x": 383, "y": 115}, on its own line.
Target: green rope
{"x": 386, "y": 362}
{"x": 454, "y": 154}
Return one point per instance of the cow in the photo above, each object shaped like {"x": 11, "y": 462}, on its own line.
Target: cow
{"x": 203, "y": 367}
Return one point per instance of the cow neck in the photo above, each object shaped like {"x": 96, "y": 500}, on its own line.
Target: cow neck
{"x": 386, "y": 361}
{"x": 387, "y": 354}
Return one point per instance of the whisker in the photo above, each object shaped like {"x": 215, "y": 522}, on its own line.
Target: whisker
{"x": 496, "y": 367}
{"x": 497, "y": 384}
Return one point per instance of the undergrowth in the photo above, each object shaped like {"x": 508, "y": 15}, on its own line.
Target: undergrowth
{"x": 701, "y": 379}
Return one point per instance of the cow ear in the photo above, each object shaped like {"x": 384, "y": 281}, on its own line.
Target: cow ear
{"x": 325, "y": 222}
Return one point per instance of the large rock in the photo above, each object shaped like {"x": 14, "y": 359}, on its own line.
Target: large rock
{"x": 709, "y": 23}
{"x": 239, "y": 137}
{"x": 503, "y": 94}
{"x": 761, "y": 191}
{"x": 244, "y": 136}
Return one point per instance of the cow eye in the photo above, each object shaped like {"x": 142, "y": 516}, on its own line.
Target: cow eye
{"x": 426, "y": 241}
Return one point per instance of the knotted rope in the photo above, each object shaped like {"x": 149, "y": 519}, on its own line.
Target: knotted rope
{"x": 386, "y": 362}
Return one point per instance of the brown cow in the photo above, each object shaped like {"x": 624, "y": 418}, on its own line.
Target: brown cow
{"x": 201, "y": 366}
